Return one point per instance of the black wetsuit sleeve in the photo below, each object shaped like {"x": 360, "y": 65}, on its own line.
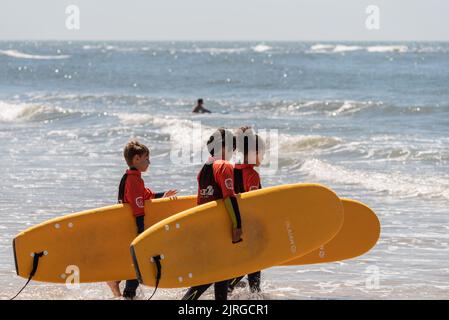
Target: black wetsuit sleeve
{"x": 159, "y": 195}
{"x": 234, "y": 211}
{"x": 235, "y": 205}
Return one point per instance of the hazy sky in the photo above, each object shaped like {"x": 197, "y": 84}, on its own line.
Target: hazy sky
{"x": 225, "y": 20}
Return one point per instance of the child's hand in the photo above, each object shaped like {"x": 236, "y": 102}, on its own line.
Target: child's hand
{"x": 170, "y": 193}
{"x": 236, "y": 235}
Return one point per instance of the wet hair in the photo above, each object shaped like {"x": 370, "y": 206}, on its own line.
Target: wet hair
{"x": 217, "y": 141}
{"x": 251, "y": 142}
{"x": 200, "y": 101}
{"x": 132, "y": 149}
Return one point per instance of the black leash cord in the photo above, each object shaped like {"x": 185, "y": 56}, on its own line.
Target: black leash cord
{"x": 36, "y": 258}
{"x": 157, "y": 261}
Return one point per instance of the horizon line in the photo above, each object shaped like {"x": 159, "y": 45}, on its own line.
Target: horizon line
{"x": 212, "y": 40}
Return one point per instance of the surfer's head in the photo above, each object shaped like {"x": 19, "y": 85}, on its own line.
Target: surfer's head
{"x": 250, "y": 145}
{"x": 221, "y": 144}
{"x": 137, "y": 155}
{"x": 200, "y": 102}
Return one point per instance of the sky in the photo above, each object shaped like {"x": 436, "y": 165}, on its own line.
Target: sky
{"x": 225, "y": 20}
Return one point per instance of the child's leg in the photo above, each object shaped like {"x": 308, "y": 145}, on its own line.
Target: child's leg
{"x": 130, "y": 288}
{"x": 233, "y": 283}
{"x": 221, "y": 290}
{"x": 115, "y": 288}
{"x": 195, "y": 292}
{"x": 131, "y": 285}
{"x": 254, "y": 281}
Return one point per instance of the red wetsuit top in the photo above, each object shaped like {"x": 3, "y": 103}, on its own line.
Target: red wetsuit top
{"x": 246, "y": 178}
{"x": 215, "y": 181}
{"x": 135, "y": 192}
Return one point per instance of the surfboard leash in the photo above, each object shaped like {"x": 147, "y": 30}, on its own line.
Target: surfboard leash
{"x": 157, "y": 261}
{"x": 36, "y": 258}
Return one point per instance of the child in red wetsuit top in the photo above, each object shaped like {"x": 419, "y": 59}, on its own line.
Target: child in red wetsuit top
{"x": 252, "y": 148}
{"x": 132, "y": 190}
{"x": 215, "y": 182}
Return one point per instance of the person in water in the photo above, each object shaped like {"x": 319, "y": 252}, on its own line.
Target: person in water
{"x": 215, "y": 182}
{"x": 132, "y": 190}
{"x": 252, "y": 148}
{"x": 199, "y": 107}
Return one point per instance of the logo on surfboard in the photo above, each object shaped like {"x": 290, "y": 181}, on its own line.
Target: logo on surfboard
{"x": 291, "y": 237}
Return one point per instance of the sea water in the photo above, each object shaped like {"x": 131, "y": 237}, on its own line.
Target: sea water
{"x": 369, "y": 120}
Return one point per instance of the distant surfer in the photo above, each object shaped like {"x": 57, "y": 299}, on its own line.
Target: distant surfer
{"x": 199, "y": 107}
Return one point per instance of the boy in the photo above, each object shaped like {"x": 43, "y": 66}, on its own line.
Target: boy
{"x": 216, "y": 181}
{"x": 132, "y": 190}
{"x": 252, "y": 147}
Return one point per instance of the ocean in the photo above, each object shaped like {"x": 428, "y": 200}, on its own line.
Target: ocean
{"x": 370, "y": 120}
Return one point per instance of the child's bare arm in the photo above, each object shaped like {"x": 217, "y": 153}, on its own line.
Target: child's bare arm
{"x": 170, "y": 193}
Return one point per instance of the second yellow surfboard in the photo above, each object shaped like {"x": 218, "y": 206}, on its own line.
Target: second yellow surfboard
{"x": 359, "y": 233}
{"x": 280, "y": 223}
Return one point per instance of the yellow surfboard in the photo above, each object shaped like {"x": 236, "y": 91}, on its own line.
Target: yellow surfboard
{"x": 359, "y": 233}
{"x": 280, "y": 223}
{"x": 94, "y": 242}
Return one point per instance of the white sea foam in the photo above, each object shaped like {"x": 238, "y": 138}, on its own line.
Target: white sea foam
{"x": 10, "y": 112}
{"x": 387, "y": 148}
{"x": 29, "y": 112}
{"x": 22, "y": 55}
{"x": 341, "y": 48}
{"x": 349, "y": 107}
{"x": 178, "y": 129}
{"x": 106, "y": 47}
{"x": 261, "y": 48}
{"x": 321, "y": 47}
{"x": 344, "y": 48}
{"x": 135, "y": 118}
{"x": 211, "y": 51}
{"x": 289, "y": 143}
{"x": 330, "y": 108}
{"x": 92, "y": 47}
{"x": 387, "y": 49}
{"x": 394, "y": 183}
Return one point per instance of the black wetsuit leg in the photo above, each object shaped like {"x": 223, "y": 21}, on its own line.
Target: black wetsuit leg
{"x": 221, "y": 290}
{"x": 254, "y": 281}
{"x": 132, "y": 285}
{"x": 233, "y": 283}
{"x": 130, "y": 288}
{"x": 195, "y": 292}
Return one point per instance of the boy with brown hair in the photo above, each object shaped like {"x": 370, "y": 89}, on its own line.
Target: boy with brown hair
{"x": 132, "y": 190}
{"x": 246, "y": 178}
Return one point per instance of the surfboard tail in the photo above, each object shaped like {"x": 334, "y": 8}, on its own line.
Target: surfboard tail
{"x": 15, "y": 255}
{"x": 136, "y": 265}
